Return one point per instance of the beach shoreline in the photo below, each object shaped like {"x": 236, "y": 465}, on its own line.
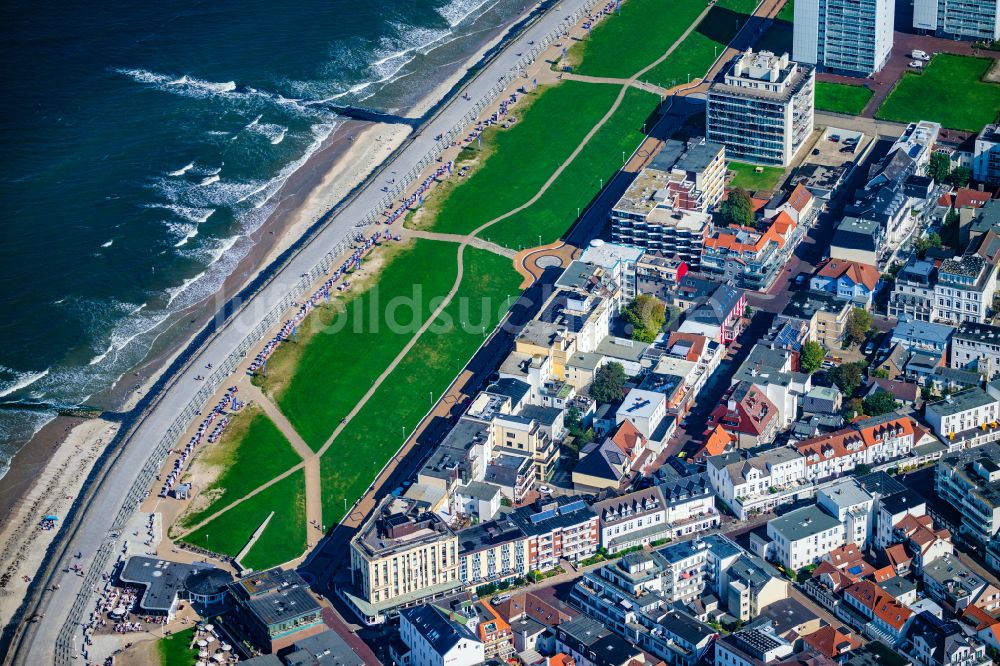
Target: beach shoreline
{"x": 348, "y": 158}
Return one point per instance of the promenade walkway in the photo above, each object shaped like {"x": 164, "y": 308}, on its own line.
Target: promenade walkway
{"x": 92, "y": 529}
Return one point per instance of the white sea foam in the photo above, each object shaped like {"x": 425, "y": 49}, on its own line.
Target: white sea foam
{"x": 200, "y": 84}
{"x": 103, "y": 355}
{"x": 209, "y": 180}
{"x": 187, "y": 232}
{"x": 21, "y": 380}
{"x": 108, "y": 244}
{"x": 182, "y": 170}
{"x": 457, "y": 11}
{"x": 193, "y": 214}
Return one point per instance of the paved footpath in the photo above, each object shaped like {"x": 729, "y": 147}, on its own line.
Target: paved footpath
{"x": 97, "y": 519}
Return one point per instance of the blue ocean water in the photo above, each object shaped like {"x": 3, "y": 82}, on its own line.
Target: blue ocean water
{"x": 142, "y": 142}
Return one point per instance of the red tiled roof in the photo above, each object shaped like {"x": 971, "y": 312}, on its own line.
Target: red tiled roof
{"x": 831, "y": 642}
{"x": 697, "y": 343}
{"x": 971, "y": 198}
{"x": 881, "y": 603}
{"x": 799, "y": 198}
{"x": 628, "y": 438}
{"x": 716, "y": 443}
{"x": 858, "y": 272}
{"x": 945, "y": 199}
{"x": 898, "y": 556}
{"x": 844, "y": 556}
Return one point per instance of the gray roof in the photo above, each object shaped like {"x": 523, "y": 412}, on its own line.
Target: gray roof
{"x": 751, "y": 571}
{"x": 163, "y": 580}
{"x": 901, "y": 502}
{"x": 543, "y": 517}
{"x": 804, "y": 522}
{"x": 326, "y": 648}
{"x": 275, "y": 596}
{"x": 717, "y": 308}
{"x": 441, "y": 633}
{"x": 693, "y": 155}
{"x": 805, "y": 304}
{"x": 488, "y": 534}
{"x": 897, "y": 586}
{"x": 970, "y": 398}
{"x": 943, "y": 637}
{"x": 515, "y": 389}
{"x": 975, "y": 332}
{"x": 913, "y": 330}
{"x": 856, "y": 234}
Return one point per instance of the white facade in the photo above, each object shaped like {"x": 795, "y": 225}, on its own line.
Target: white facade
{"x": 964, "y": 297}
{"x": 958, "y": 19}
{"x": 986, "y": 158}
{"x": 852, "y": 506}
{"x": 855, "y": 38}
{"x": 466, "y": 651}
{"x": 801, "y": 537}
{"x": 645, "y": 409}
{"x": 970, "y": 409}
{"x": 976, "y": 347}
{"x": 732, "y": 477}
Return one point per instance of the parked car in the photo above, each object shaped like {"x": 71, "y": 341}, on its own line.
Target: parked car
{"x": 834, "y": 138}
{"x": 916, "y": 64}
{"x": 869, "y": 348}
{"x": 800, "y": 278}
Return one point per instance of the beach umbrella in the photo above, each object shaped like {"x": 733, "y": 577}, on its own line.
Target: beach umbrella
{"x": 202, "y": 643}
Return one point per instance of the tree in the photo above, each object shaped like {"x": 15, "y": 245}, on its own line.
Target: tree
{"x": 853, "y": 408}
{"x": 859, "y": 322}
{"x": 646, "y": 314}
{"x": 959, "y": 176}
{"x": 847, "y": 377}
{"x": 939, "y": 167}
{"x": 811, "y": 357}
{"x": 924, "y": 244}
{"x": 880, "y": 402}
{"x": 609, "y": 383}
{"x": 881, "y": 373}
{"x": 737, "y": 209}
{"x": 581, "y": 435}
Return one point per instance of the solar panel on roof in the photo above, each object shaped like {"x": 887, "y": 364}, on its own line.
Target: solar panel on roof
{"x": 542, "y": 516}
{"x": 574, "y": 506}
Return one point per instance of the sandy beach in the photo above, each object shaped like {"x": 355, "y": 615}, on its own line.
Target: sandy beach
{"x": 53, "y": 487}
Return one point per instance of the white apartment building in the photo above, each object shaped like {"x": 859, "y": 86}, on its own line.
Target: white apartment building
{"x": 867, "y": 442}
{"x": 800, "y": 537}
{"x": 967, "y": 410}
{"x": 762, "y": 108}
{"x": 986, "y": 155}
{"x": 434, "y": 640}
{"x": 745, "y": 484}
{"x": 852, "y": 506}
{"x": 958, "y": 19}
{"x": 645, "y": 409}
{"x": 631, "y": 520}
{"x": 976, "y": 347}
{"x": 854, "y": 38}
{"x": 964, "y": 290}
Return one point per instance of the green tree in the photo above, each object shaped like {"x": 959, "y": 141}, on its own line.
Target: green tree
{"x": 939, "y": 167}
{"x": 880, "y": 402}
{"x": 811, "y": 357}
{"x": 859, "y": 322}
{"x": 737, "y": 209}
{"x": 853, "y": 408}
{"x": 924, "y": 244}
{"x": 881, "y": 373}
{"x": 847, "y": 377}
{"x": 646, "y": 314}
{"x": 609, "y": 383}
{"x": 581, "y": 435}
{"x": 959, "y": 176}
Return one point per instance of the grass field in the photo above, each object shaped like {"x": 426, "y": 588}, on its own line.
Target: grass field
{"x": 325, "y": 374}
{"x": 525, "y": 156}
{"x": 555, "y": 211}
{"x": 842, "y": 98}
{"x": 787, "y": 12}
{"x": 949, "y": 91}
{"x": 376, "y": 432}
{"x": 285, "y": 536}
{"x": 174, "y": 650}
{"x": 622, "y": 45}
{"x": 695, "y": 55}
{"x": 253, "y": 451}
{"x": 748, "y": 178}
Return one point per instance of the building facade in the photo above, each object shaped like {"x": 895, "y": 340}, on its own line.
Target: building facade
{"x": 958, "y": 19}
{"x": 853, "y": 38}
{"x": 761, "y": 110}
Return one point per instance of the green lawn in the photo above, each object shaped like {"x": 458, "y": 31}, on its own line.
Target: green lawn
{"x": 253, "y": 451}
{"x": 285, "y": 536}
{"x": 842, "y": 98}
{"x": 555, "y": 211}
{"x": 174, "y": 649}
{"x": 622, "y": 45}
{"x": 787, "y": 12}
{"x": 525, "y": 156}
{"x": 748, "y": 178}
{"x": 696, "y": 54}
{"x": 325, "y": 374}
{"x": 361, "y": 449}
{"x": 949, "y": 91}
